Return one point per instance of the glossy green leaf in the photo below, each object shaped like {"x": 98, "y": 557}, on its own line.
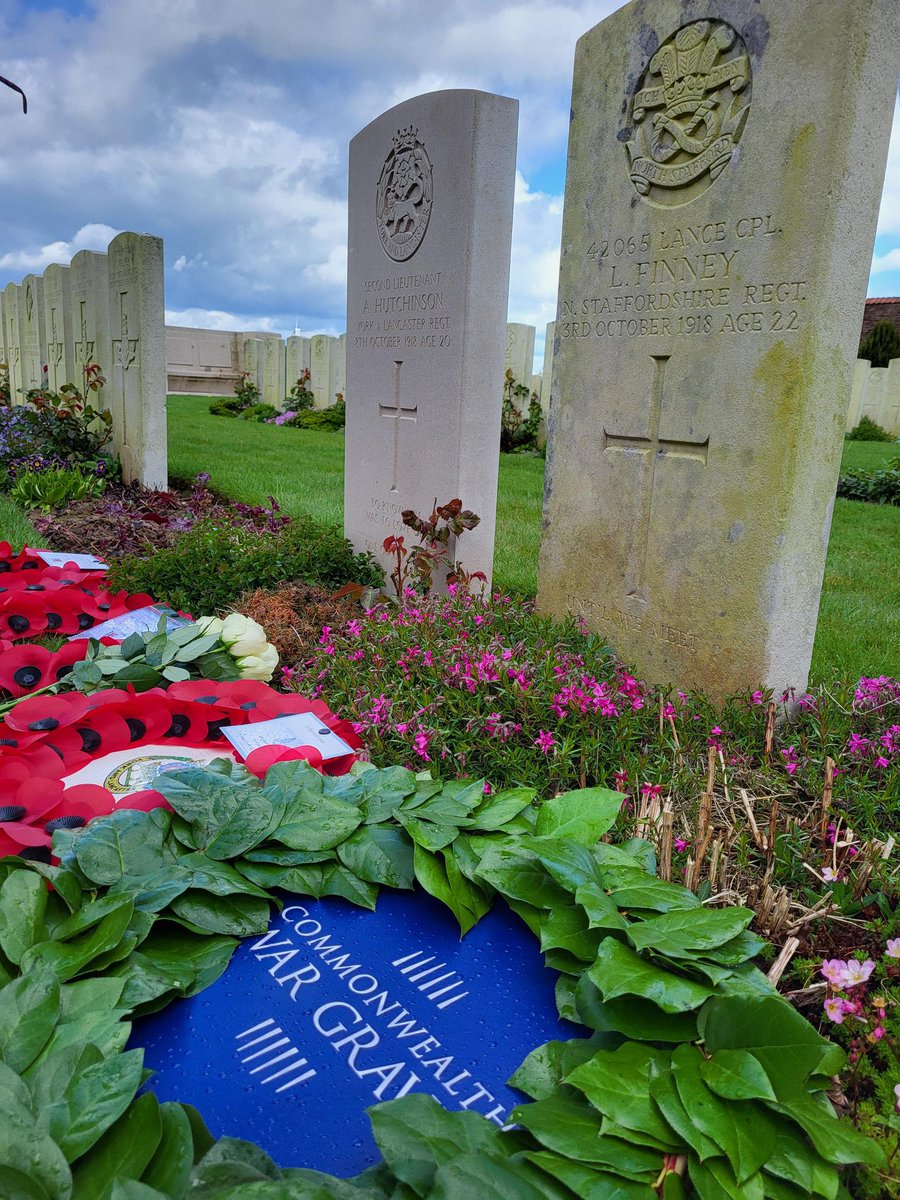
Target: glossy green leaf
{"x": 123, "y": 1152}
{"x": 681, "y": 931}
{"x": 736, "y": 1075}
{"x": 587, "y": 1182}
{"x": 379, "y": 854}
{"x": 584, "y": 816}
{"x": 30, "y": 1008}
{"x": 617, "y": 1083}
{"x": 23, "y": 903}
{"x": 620, "y": 971}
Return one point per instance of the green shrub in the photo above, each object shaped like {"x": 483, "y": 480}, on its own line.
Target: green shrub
{"x": 259, "y": 412}
{"x": 229, "y": 407}
{"x": 876, "y": 487}
{"x": 881, "y": 344}
{"x": 210, "y": 565}
{"x": 518, "y": 432}
{"x": 54, "y": 488}
{"x": 321, "y": 418}
{"x": 868, "y": 431}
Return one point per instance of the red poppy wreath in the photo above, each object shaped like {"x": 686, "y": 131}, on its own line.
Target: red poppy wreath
{"x": 54, "y": 749}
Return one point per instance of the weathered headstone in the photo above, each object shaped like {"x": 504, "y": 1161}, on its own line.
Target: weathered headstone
{"x": 520, "y": 352}
{"x": 136, "y": 376}
{"x": 11, "y": 336}
{"x": 89, "y": 309}
{"x": 32, "y": 334}
{"x": 273, "y": 391}
{"x": 322, "y": 370}
{"x": 547, "y": 374}
{"x": 340, "y": 366}
{"x": 431, "y": 193}
{"x": 58, "y": 325}
{"x": 723, "y": 184}
{"x": 253, "y": 361}
{"x": 296, "y": 359}
{"x": 336, "y": 1008}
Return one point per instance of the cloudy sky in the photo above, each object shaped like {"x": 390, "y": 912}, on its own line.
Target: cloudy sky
{"x": 222, "y": 126}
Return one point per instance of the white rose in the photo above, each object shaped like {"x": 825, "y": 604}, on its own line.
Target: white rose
{"x": 209, "y": 625}
{"x": 242, "y": 636}
{"x": 259, "y": 666}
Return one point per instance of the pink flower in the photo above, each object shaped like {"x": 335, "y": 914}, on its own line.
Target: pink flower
{"x": 834, "y": 1010}
{"x": 354, "y": 628}
{"x": 757, "y": 698}
{"x": 420, "y": 745}
{"x": 680, "y": 844}
{"x": 893, "y": 947}
{"x": 651, "y": 789}
{"x": 830, "y": 875}
{"x": 545, "y": 741}
{"x": 835, "y": 971}
{"x": 326, "y": 634}
{"x": 487, "y": 789}
{"x": 790, "y": 759}
{"x": 620, "y": 779}
{"x": 857, "y": 972}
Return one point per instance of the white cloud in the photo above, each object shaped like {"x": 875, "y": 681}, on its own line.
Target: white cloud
{"x": 207, "y": 318}
{"x": 88, "y": 237}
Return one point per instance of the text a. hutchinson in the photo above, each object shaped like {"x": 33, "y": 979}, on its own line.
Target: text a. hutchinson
{"x": 369, "y": 1028}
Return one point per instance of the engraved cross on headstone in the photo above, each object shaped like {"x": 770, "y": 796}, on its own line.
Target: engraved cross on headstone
{"x": 656, "y": 449}
{"x": 124, "y": 353}
{"x": 85, "y": 348}
{"x": 397, "y": 412}
{"x": 56, "y": 347}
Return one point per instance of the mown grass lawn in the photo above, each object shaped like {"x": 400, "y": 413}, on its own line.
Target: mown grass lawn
{"x": 15, "y": 526}
{"x": 859, "y": 621}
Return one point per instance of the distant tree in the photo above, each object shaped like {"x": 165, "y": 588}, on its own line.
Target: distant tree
{"x": 881, "y": 344}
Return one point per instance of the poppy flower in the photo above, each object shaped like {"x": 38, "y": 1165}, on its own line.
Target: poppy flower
{"x": 45, "y": 739}
{"x": 25, "y": 667}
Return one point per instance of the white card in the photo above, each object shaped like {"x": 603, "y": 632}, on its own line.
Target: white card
{"x": 85, "y": 562}
{"x": 299, "y": 729}
{"x": 139, "y": 620}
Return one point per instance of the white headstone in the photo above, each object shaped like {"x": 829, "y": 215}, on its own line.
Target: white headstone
{"x": 253, "y": 360}
{"x": 547, "y": 374}
{"x": 137, "y": 373}
{"x": 89, "y": 316}
{"x": 431, "y": 196}
{"x": 32, "y": 335}
{"x": 58, "y": 324}
{"x": 273, "y": 389}
{"x": 890, "y": 404}
{"x": 296, "y": 359}
{"x": 857, "y": 392}
{"x": 340, "y": 366}
{"x": 322, "y": 368}
{"x": 520, "y": 353}
{"x": 11, "y": 337}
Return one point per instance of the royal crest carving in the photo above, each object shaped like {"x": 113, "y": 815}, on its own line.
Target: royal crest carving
{"x": 403, "y": 198}
{"x": 688, "y": 112}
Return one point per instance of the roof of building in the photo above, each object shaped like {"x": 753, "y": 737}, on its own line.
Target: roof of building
{"x": 880, "y": 308}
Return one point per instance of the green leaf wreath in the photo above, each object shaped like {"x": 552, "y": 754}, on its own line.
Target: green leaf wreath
{"x": 695, "y": 1080}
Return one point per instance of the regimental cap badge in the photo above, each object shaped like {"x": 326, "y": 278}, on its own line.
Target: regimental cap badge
{"x": 404, "y": 195}
{"x": 696, "y": 93}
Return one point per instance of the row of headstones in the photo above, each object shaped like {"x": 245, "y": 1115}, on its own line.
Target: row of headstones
{"x": 105, "y": 309}
{"x": 708, "y": 317}
{"x": 200, "y": 360}
{"x": 876, "y": 395}
{"x": 275, "y": 366}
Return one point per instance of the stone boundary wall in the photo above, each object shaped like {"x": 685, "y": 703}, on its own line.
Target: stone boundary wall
{"x": 876, "y": 395}
{"x": 106, "y": 309}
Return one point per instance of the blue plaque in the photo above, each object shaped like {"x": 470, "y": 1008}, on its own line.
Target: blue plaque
{"x": 335, "y": 1008}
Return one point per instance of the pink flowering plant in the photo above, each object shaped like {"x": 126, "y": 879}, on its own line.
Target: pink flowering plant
{"x": 484, "y": 686}
{"x": 861, "y": 1011}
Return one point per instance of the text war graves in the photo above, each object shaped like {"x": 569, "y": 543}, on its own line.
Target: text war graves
{"x": 335, "y": 1009}
{"x": 431, "y": 192}
{"x": 723, "y": 182}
